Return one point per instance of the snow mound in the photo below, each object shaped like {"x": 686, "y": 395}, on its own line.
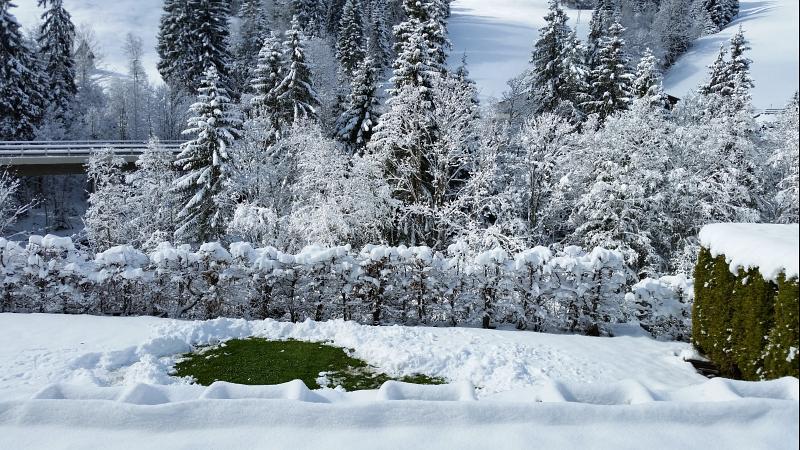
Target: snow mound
{"x": 83, "y": 381}
{"x": 625, "y": 392}
{"x": 772, "y": 249}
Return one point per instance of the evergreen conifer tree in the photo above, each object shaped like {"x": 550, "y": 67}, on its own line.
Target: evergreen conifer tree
{"x": 557, "y": 71}
{"x": 356, "y": 125}
{"x": 204, "y": 162}
{"x": 350, "y": 39}
{"x": 193, "y": 35}
{"x": 380, "y": 39}
{"x": 172, "y": 37}
{"x": 266, "y": 78}
{"x": 252, "y": 32}
{"x": 718, "y": 76}
{"x": 648, "y": 83}
{"x": 55, "y": 39}
{"x": 21, "y": 95}
{"x": 296, "y": 91}
{"x": 602, "y": 18}
{"x": 611, "y": 81}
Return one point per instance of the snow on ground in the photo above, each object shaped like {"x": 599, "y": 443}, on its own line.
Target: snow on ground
{"x": 498, "y": 38}
{"x": 772, "y": 28}
{"x": 111, "y": 21}
{"x": 74, "y": 381}
{"x": 771, "y": 248}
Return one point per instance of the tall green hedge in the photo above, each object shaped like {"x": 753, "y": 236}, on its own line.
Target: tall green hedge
{"x": 745, "y": 324}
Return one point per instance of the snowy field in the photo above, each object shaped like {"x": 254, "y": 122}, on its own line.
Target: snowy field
{"x": 772, "y": 28}
{"x": 498, "y": 38}
{"x": 74, "y": 381}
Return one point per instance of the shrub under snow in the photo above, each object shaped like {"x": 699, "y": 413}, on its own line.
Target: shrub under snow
{"x": 538, "y": 289}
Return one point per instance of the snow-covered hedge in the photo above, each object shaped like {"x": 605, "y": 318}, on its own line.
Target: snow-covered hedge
{"x": 746, "y": 312}
{"x": 570, "y": 290}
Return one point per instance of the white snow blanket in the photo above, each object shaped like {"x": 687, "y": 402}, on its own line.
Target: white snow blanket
{"x": 82, "y": 381}
{"x": 772, "y": 28}
{"x": 498, "y": 36}
{"x": 771, "y": 248}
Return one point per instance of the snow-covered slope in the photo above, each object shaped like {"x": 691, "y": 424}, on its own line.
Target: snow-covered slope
{"x": 771, "y": 26}
{"x": 84, "y": 382}
{"x": 498, "y": 38}
{"x": 111, "y": 21}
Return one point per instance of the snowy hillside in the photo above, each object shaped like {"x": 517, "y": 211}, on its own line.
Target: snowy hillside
{"x": 498, "y": 38}
{"x": 616, "y": 393}
{"x": 111, "y": 22}
{"x": 772, "y": 28}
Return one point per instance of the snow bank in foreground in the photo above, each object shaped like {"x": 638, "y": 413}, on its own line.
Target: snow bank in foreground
{"x": 771, "y": 248}
{"x": 45, "y": 349}
{"x": 286, "y": 424}
{"x": 83, "y": 381}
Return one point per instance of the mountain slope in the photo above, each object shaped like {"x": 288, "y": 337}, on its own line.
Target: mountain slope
{"x": 498, "y": 36}
{"x": 771, "y": 26}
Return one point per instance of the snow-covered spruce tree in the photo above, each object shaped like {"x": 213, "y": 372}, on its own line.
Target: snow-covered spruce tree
{"x": 209, "y": 27}
{"x": 350, "y": 39}
{"x": 602, "y": 18}
{"x": 380, "y": 36}
{"x": 611, "y": 80}
{"x": 648, "y": 83}
{"x": 173, "y": 40}
{"x": 739, "y": 82}
{"x": 266, "y": 79}
{"x": 55, "y": 40}
{"x": 717, "y": 79}
{"x": 253, "y": 29}
{"x": 21, "y": 94}
{"x": 785, "y": 158}
{"x": 721, "y": 12}
{"x": 296, "y": 91}
{"x": 557, "y": 72}
{"x": 333, "y": 16}
{"x": 203, "y": 162}
{"x": 193, "y": 36}
{"x": 424, "y": 23}
{"x": 414, "y": 66}
{"x": 310, "y": 14}
{"x": 676, "y": 25}
{"x": 356, "y": 125}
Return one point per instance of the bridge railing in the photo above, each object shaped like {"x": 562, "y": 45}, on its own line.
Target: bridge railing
{"x": 12, "y": 149}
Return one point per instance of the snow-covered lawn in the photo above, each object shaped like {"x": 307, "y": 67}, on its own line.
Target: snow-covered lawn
{"x": 76, "y": 381}
{"x": 772, "y": 27}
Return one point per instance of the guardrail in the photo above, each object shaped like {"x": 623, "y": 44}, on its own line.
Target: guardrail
{"x": 19, "y": 149}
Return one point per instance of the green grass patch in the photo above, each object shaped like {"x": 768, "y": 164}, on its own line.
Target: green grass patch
{"x": 261, "y": 362}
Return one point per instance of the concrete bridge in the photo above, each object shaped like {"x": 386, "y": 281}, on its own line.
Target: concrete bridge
{"x": 34, "y": 158}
